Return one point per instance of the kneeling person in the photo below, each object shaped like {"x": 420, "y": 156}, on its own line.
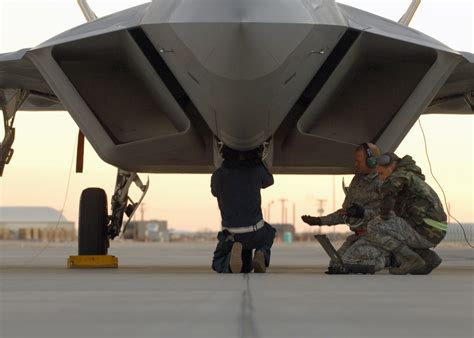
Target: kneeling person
{"x": 412, "y": 219}
{"x": 236, "y": 185}
{"x": 362, "y": 193}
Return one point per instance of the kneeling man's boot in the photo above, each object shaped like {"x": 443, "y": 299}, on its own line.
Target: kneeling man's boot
{"x": 259, "y": 262}
{"x": 410, "y": 261}
{"x": 235, "y": 263}
{"x": 391, "y": 261}
{"x": 432, "y": 261}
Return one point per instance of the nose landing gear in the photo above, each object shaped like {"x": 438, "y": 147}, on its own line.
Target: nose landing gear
{"x": 97, "y": 228}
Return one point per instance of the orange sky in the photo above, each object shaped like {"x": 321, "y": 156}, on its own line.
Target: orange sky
{"x": 45, "y": 142}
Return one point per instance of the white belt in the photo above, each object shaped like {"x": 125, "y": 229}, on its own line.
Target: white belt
{"x": 244, "y": 230}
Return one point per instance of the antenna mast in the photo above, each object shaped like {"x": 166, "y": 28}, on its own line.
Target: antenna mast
{"x": 86, "y": 10}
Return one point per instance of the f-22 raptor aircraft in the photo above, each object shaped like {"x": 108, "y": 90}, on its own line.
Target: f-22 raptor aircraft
{"x": 160, "y": 87}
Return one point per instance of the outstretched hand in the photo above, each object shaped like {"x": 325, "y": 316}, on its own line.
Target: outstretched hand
{"x": 311, "y": 220}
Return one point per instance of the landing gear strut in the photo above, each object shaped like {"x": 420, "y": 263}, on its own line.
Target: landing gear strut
{"x": 120, "y": 201}
{"x": 9, "y": 108}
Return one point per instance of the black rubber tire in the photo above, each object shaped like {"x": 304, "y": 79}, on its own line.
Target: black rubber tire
{"x": 93, "y": 221}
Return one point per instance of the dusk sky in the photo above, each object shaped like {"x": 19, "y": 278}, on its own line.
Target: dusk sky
{"x": 45, "y": 141}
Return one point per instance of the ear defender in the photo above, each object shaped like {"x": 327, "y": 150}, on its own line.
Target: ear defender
{"x": 371, "y": 160}
{"x": 384, "y": 160}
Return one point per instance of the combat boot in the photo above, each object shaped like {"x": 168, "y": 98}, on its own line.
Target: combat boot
{"x": 432, "y": 261}
{"x": 410, "y": 261}
{"x": 259, "y": 262}
{"x": 235, "y": 263}
{"x": 391, "y": 261}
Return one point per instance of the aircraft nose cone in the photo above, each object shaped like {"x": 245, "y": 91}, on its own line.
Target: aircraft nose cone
{"x": 243, "y": 63}
{"x": 241, "y": 51}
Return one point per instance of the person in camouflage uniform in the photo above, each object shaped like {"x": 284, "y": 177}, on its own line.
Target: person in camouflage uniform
{"x": 363, "y": 192}
{"x": 411, "y": 219}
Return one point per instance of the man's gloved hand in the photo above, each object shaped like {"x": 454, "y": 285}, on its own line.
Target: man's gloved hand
{"x": 311, "y": 220}
{"x": 356, "y": 211}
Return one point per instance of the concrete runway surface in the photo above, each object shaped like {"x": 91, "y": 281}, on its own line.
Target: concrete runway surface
{"x": 168, "y": 290}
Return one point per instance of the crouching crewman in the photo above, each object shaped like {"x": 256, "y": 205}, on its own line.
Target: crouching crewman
{"x": 236, "y": 185}
{"x": 411, "y": 219}
{"x": 364, "y": 191}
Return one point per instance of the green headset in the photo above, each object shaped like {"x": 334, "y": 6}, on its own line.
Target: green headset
{"x": 371, "y": 160}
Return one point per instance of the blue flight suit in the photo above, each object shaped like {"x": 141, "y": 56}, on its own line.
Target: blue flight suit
{"x": 237, "y": 184}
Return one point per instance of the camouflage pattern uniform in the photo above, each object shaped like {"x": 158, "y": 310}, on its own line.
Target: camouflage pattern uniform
{"x": 410, "y": 213}
{"x": 364, "y": 252}
{"x": 364, "y": 190}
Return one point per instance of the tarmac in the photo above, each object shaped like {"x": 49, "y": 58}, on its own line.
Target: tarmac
{"x": 169, "y": 290}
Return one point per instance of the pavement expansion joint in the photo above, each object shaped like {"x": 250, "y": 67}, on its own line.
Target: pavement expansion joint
{"x": 248, "y": 324}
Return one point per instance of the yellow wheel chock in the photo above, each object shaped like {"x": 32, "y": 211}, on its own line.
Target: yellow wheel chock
{"x": 92, "y": 262}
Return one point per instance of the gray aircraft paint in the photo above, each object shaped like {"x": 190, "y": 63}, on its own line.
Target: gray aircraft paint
{"x": 152, "y": 86}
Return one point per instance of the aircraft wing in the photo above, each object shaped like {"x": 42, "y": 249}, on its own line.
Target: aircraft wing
{"x": 17, "y": 72}
{"x": 456, "y": 96}
{"x": 157, "y": 87}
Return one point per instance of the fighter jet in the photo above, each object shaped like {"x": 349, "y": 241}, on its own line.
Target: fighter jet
{"x": 160, "y": 87}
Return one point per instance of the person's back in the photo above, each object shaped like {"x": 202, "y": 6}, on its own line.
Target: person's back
{"x": 237, "y": 184}
{"x": 237, "y": 188}
{"x": 415, "y": 200}
{"x": 412, "y": 220}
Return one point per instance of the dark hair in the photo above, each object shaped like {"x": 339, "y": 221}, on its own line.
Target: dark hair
{"x": 252, "y": 155}
{"x": 235, "y": 158}
{"x": 229, "y": 153}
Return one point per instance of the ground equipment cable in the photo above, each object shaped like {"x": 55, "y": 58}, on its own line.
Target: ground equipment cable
{"x": 62, "y": 209}
{"x": 442, "y": 190}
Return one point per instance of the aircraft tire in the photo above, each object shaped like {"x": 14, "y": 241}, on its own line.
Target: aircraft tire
{"x": 93, "y": 221}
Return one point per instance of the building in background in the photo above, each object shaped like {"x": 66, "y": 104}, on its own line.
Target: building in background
{"x": 285, "y": 232}
{"x": 456, "y": 234}
{"x": 35, "y": 223}
{"x": 149, "y": 231}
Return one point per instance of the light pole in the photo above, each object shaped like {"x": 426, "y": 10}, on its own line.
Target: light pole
{"x": 268, "y": 210}
{"x": 334, "y": 198}
{"x": 320, "y": 210}
{"x": 283, "y": 200}
{"x": 142, "y": 211}
{"x": 321, "y": 206}
{"x": 294, "y": 217}
{"x": 333, "y": 193}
